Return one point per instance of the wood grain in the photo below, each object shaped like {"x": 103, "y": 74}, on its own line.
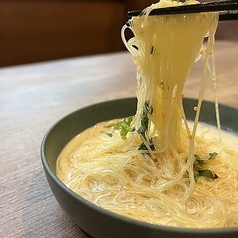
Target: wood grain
{"x": 35, "y": 96}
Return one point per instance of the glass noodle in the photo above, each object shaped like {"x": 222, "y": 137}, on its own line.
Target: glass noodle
{"x": 152, "y": 174}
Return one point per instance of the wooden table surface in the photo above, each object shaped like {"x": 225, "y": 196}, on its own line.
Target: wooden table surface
{"x": 33, "y": 97}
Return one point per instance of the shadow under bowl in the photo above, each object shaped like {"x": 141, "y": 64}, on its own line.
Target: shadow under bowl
{"x": 101, "y": 223}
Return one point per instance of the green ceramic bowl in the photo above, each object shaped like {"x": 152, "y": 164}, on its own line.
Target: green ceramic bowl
{"x": 99, "y": 222}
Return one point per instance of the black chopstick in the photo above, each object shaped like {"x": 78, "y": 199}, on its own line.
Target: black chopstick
{"x": 228, "y": 15}
{"x": 226, "y": 9}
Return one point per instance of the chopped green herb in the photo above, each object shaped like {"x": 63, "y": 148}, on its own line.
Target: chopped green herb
{"x": 147, "y": 109}
{"x": 200, "y": 167}
{"x": 152, "y": 50}
{"x": 212, "y": 155}
{"x": 109, "y": 134}
{"x": 124, "y": 126}
{"x": 207, "y": 173}
{"x": 143, "y": 146}
{"x": 144, "y": 119}
{"x": 144, "y": 125}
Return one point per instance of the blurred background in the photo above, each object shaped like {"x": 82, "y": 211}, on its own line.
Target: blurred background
{"x": 41, "y": 30}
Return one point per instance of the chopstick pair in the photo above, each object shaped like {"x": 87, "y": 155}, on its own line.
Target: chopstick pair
{"x": 228, "y": 10}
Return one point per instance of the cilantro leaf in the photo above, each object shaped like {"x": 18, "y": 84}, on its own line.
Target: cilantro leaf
{"x": 124, "y": 126}
{"x": 207, "y": 173}
{"x": 200, "y": 167}
{"x": 212, "y": 155}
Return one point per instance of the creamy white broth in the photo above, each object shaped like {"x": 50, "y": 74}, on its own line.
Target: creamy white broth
{"x": 227, "y": 138}
{"x": 74, "y": 143}
{"x": 210, "y": 132}
{"x": 207, "y": 132}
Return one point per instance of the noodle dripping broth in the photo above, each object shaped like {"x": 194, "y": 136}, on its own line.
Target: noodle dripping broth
{"x": 156, "y": 166}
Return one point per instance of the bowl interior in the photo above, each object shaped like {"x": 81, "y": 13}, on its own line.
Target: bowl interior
{"x": 80, "y": 210}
